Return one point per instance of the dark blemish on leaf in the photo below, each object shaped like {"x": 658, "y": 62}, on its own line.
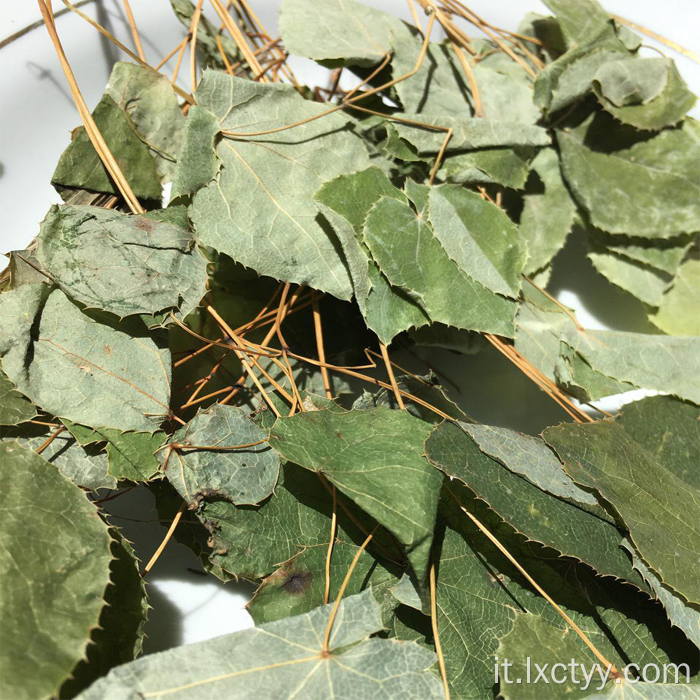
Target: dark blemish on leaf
{"x": 144, "y": 225}
{"x": 298, "y": 583}
{"x": 339, "y": 435}
{"x": 108, "y": 350}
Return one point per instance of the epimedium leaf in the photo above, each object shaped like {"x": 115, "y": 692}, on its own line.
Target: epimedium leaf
{"x": 251, "y": 541}
{"x": 565, "y": 527}
{"x": 121, "y": 263}
{"x": 374, "y": 457}
{"x": 53, "y": 540}
{"x": 680, "y": 614}
{"x": 284, "y": 658}
{"x": 506, "y": 166}
{"x": 530, "y": 458}
{"x": 342, "y": 32}
{"x": 408, "y": 252}
{"x": 647, "y": 93}
{"x": 665, "y": 363}
{"x": 669, "y": 430}
{"x": 81, "y": 168}
{"x": 642, "y": 281}
{"x": 649, "y": 190}
{"x": 214, "y": 455}
{"x": 480, "y": 594}
{"x": 663, "y": 255}
{"x": 632, "y": 81}
{"x": 149, "y": 100}
{"x": 580, "y": 22}
{"x": 479, "y": 237}
{"x": 85, "y": 466}
{"x": 548, "y": 211}
{"x": 661, "y": 521}
{"x": 298, "y": 585}
{"x": 345, "y": 202}
{"x": 678, "y": 307}
{"x": 198, "y": 163}
{"x": 119, "y": 635}
{"x": 130, "y": 455}
{"x": 82, "y": 369}
{"x": 259, "y": 210}
{"x": 14, "y": 408}
{"x": 467, "y": 133}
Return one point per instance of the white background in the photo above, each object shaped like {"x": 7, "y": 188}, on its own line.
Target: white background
{"x": 36, "y": 117}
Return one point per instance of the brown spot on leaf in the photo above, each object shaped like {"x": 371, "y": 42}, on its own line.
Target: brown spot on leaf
{"x": 144, "y": 225}
{"x": 108, "y": 350}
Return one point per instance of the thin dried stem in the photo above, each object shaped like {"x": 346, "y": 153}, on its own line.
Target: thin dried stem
{"x": 172, "y": 53}
{"x": 134, "y": 31}
{"x": 74, "y": 8}
{"x": 50, "y": 439}
{"x": 392, "y": 377}
{"x": 237, "y": 35}
{"x": 661, "y": 39}
{"x": 436, "y": 633}
{"x": 166, "y": 539}
{"x": 473, "y": 86}
{"x": 344, "y": 585}
{"x": 178, "y": 62}
{"x": 331, "y": 544}
{"x": 318, "y": 328}
{"x": 91, "y": 129}
{"x": 537, "y": 587}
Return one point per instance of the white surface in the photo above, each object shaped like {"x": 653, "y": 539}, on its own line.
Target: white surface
{"x": 36, "y": 117}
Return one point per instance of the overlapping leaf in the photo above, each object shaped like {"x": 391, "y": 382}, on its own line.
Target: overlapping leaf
{"x": 55, "y": 543}
{"x": 82, "y": 368}
{"x": 375, "y": 458}
{"x": 282, "y": 659}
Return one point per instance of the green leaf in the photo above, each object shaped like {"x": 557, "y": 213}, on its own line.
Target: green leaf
{"x": 298, "y": 585}
{"x": 148, "y": 98}
{"x": 242, "y": 475}
{"x": 640, "y": 280}
{"x": 647, "y": 93}
{"x": 14, "y": 408}
{"x": 506, "y": 166}
{"x": 274, "y": 177}
{"x": 541, "y": 517}
{"x": 479, "y": 237}
{"x": 651, "y": 189}
{"x": 683, "y": 616}
{"x": 548, "y": 212}
{"x": 666, "y": 363}
{"x": 342, "y": 32}
{"x": 121, "y": 263}
{"x": 198, "y": 163}
{"x": 81, "y": 168}
{"x": 283, "y": 659}
{"x": 374, "y": 457}
{"x": 468, "y": 133}
{"x": 670, "y": 431}
{"x": 82, "y": 369}
{"x": 251, "y": 541}
{"x": 678, "y": 307}
{"x": 659, "y": 509}
{"x": 345, "y": 203}
{"x": 53, "y": 543}
{"x": 580, "y": 22}
{"x": 410, "y": 255}
{"x": 119, "y": 636}
{"x": 632, "y": 81}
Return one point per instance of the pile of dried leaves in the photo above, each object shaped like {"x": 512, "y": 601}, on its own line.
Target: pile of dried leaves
{"x": 229, "y": 352}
